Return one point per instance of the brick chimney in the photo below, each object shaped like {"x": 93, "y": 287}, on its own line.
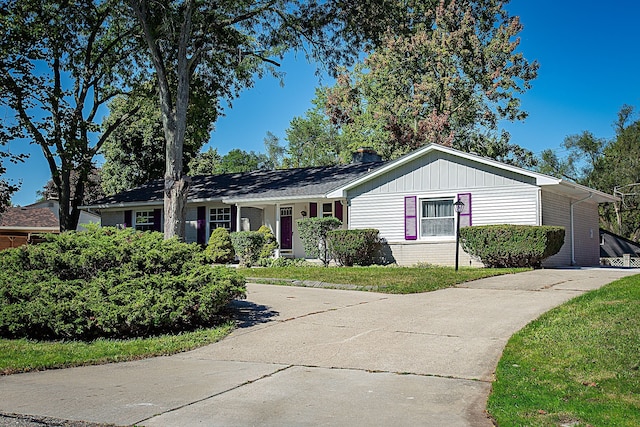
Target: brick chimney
{"x": 365, "y": 155}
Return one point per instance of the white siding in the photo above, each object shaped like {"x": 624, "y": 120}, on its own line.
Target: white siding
{"x": 191, "y": 225}
{"x": 556, "y": 210}
{"x": 109, "y": 218}
{"x": 497, "y": 197}
{"x": 511, "y": 205}
{"x": 440, "y": 172}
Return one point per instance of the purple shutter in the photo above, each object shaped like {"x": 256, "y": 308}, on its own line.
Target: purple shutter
{"x": 234, "y": 213}
{"x": 157, "y": 218}
{"x": 128, "y": 219}
{"x": 338, "y": 209}
{"x": 201, "y": 225}
{"x": 410, "y": 218}
{"x": 465, "y": 215}
{"x": 313, "y": 210}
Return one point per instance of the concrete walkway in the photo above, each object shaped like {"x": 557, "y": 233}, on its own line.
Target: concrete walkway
{"x": 308, "y": 357}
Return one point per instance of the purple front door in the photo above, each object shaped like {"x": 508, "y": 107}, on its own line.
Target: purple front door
{"x": 286, "y": 228}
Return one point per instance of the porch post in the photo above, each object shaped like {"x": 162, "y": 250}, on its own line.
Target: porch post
{"x": 278, "y": 233}
{"x": 238, "y": 218}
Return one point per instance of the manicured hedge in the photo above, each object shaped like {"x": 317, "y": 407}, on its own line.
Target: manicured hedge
{"x": 354, "y": 247}
{"x": 313, "y": 233}
{"x": 508, "y": 245}
{"x": 110, "y": 283}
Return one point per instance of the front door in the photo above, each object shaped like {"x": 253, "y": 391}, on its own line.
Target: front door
{"x": 286, "y": 228}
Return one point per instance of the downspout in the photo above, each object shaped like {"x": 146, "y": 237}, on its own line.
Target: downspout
{"x": 573, "y": 242}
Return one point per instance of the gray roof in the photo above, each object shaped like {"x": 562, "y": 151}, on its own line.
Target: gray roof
{"x": 279, "y": 184}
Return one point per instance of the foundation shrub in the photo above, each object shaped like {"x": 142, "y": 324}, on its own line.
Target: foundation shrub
{"x": 313, "y": 233}
{"x": 354, "y": 247}
{"x": 248, "y": 245}
{"x": 110, "y": 283}
{"x": 220, "y": 250}
{"x": 509, "y": 245}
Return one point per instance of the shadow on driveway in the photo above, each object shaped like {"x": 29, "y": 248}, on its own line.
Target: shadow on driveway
{"x": 248, "y": 314}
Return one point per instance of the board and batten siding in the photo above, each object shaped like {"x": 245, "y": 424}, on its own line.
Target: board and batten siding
{"x": 440, "y": 171}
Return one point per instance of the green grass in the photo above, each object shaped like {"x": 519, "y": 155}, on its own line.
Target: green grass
{"x": 23, "y": 355}
{"x": 393, "y": 280}
{"x": 577, "y": 365}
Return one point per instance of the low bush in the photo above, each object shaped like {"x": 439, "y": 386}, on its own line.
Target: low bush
{"x": 313, "y": 232}
{"x": 512, "y": 245}
{"x": 110, "y": 283}
{"x": 248, "y": 245}
{"x": 354, "y": 247}
{"x": 220, "y": 248}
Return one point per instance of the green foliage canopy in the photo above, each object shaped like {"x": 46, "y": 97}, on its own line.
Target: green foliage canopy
{"x": 314, "y": 234}
{"x": 110, "y": 283}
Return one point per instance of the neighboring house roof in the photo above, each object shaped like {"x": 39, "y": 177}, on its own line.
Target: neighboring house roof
{"x": 613, "y": 246}
{"x": 29, "y": 219}
{"x": 256, "y": 186}
{"x": 562, "y": 186}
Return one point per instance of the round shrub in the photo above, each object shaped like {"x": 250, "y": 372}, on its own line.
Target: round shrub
{"x": 354, "y": 247}
{"x": 110, "y": 283}
{"x": 220, "y": 249}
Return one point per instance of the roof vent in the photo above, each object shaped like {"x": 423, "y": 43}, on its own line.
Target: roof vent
{"x": 365, "y": 155}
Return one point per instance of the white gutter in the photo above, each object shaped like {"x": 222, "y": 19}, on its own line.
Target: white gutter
{"x": 573, "y": 239}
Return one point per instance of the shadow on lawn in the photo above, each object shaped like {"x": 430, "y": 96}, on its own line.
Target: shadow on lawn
{"x": 249, "y": 314}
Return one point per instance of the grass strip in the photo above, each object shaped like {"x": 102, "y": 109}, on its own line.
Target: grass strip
{"x": 392, "y": 280}
{"x": 22, "y": 355}
{"x": 577, "y": 365}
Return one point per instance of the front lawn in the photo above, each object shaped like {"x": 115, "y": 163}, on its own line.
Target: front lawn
{"x": 577, "y": 365}
{"x": 392, "y": 280}
{"x": 22, "y": 355}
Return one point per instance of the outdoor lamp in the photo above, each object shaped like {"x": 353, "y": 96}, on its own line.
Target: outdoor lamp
{"x": 458, "y": 207}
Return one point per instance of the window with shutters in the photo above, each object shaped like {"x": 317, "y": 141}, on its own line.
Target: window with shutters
{"x": 437, "y": 218}
{"x": 144, "y": 220}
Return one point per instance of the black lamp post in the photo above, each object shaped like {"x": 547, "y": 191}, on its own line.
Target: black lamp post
{"x": 459, "y": 207}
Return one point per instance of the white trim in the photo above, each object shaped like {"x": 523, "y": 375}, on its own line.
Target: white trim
{"x": 32, "y": 229}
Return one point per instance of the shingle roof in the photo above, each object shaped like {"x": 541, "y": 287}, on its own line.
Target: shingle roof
{"x": 263, "y": 184}
{"x": 17, "y": 217}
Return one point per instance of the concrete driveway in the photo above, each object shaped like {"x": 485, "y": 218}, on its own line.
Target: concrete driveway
{"x": 306, "y": 356}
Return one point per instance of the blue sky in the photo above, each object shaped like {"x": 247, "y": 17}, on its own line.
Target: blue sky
{"x": 589, "y": 66}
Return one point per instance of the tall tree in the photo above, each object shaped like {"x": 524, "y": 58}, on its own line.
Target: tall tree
{"x": 609, "y": 165}
{"x": 7, "y": 188}
{"x": 60, "y": 62}
{"x": 93, "y": 188}
{"x": 448, "y": 75}
{"x": 238, "y": 160}
{"x": 205, "y": 163}
{"x": 229, "y": 42}
{"x": 313, "y": 141}
{"x": 274, "y": 151}
{"x": 135, "y": 152}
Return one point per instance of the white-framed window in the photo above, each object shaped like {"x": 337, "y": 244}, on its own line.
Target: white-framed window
{"x": 327, "y": 210}
{"x": 437, "y": 218}
{"x": 144, "y": 220}
{"x": 220, "y": 218}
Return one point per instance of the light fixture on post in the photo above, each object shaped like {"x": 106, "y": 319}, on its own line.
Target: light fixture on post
{"x": 458, "y": 207}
